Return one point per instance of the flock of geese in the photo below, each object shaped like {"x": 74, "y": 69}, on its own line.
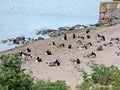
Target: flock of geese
{"x": 25, "y": 55}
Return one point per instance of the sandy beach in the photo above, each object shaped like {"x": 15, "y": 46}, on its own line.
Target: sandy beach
{"x": 66, "y": 70}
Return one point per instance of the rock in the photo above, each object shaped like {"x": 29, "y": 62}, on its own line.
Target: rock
{"x": 114, "y": 6}
{"x": 110, "y": 6}
{"x": 72, "y": 28}
{"x": 102, "y": 22}
{"x": 103, "y": 9}
{"x": 19, "y": 40}
{"x": 77, "y": 27}
{"x": 116, "y": 13}
{"x": 114, "y": 22}
{"x": 107, "y": 17}
{"x": 40, "y": 38}
{"x": 4, "y": 41}
{"x": 32, "y": 39}
{"x": 38, "y": 32}
{"x": 102, "y": 16}
{"x": 118, "y": 6}
{"x": 63, "y": 28}
{"x": 54, "y": 33}
{"x": 47, "y": 31}
{"x": 109, "y": 13}
{"x": 93, "y": 26}
{"x": 15, "y": 41}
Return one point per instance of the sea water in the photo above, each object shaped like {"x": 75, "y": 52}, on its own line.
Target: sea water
{"x": 25, "y": 17}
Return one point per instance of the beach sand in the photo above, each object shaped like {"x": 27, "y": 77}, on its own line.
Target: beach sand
{"x": 66, "y": 70}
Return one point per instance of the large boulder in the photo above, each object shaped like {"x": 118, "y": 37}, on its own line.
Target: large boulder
{"x": 38, "y": 32}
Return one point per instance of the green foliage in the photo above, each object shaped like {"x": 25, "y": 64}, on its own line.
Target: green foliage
{"x": 47, "y": 85}
{"x": 116, "y": 0}
{"x": 101, "y": 78}
{"x": 12, "y": 77}
{"x": 102, "y": 74}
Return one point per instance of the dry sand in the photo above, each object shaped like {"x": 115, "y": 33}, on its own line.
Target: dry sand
{"x": 66, "y": 69}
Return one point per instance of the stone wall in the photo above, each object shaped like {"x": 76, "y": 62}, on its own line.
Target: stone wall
{"x": 109, "y": 13}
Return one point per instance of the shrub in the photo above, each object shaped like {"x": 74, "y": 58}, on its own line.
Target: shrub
{"x": 101, "y": 78}
{"x": 12, "y": 77}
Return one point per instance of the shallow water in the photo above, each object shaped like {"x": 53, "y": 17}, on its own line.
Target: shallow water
{"x": 25, "y": 17}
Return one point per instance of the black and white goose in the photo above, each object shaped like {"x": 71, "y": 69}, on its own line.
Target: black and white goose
{"x": 115, "y": 40}
{"x": 69, "y": 46}
{"x": 75, "y": 61}
{"x": 88, "y": 36}
{"x": 54, "y": 63}
{"x": 88, "y": 44}
{"x": 82, "y": 47}
{"x": 100, "y": 38}
{"x": 108, "y": 44}
{"x": 87, "y": 31}
{"x": 47, "y": 52}
{"x": 91, "y": 55}
{"x": 118, "y": 53}
{"x": 100, "y": 48}
{"x": 38, "y": 59}
{"x": 62, "y": 45}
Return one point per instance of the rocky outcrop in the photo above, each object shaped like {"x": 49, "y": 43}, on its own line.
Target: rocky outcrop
{"x": 109, "y": 13}
{"x": 45, "y": 31}
{"x": 75, "y": 27}
{"x": 54, "y": 32}
{"x": 19, "y": 40}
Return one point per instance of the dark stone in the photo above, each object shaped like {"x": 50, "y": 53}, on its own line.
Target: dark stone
{"x": 40, "y": 38}
{"x": 38, "y": 32}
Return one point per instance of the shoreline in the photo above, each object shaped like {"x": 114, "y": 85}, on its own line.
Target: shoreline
{"x": 66, "y": 70}
{"x": 46, "y": 34}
